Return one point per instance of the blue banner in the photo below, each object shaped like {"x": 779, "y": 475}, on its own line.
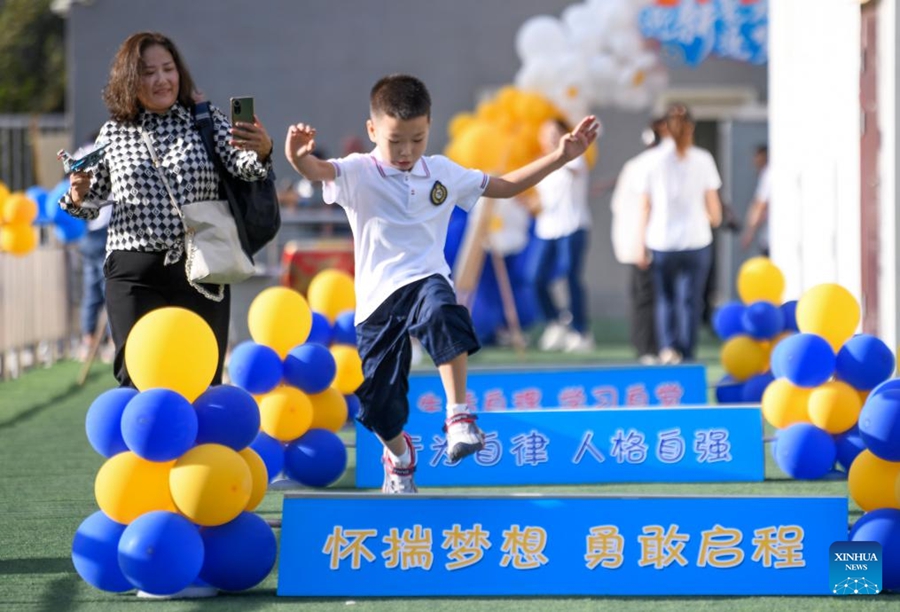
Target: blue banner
{"x": 498, "y": 389}
{"x": 532, "y": 447}
{"x": 357, "y": 545}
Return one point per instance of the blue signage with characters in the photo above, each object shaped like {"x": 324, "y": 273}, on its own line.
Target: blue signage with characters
{"x": 357, "y": 545}
{"x": 532, "y": 447}
{"x": 498, "y": 389}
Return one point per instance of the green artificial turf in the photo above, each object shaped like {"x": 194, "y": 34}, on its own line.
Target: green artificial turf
{"x": 46, "y": 490}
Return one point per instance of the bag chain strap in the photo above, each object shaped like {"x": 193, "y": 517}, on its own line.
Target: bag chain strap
{"x": 188, "y": 232}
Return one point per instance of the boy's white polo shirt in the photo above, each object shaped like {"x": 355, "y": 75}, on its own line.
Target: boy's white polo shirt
{"x": 399, "y": 219}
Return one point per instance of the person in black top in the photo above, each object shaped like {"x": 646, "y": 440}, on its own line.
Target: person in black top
{"x": 150, "y": 90}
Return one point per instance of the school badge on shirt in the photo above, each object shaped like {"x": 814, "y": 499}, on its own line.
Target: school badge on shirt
{"x": 438, "y": 193}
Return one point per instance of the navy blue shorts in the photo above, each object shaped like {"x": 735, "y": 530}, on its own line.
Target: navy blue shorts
{"x": 426, "y": 309}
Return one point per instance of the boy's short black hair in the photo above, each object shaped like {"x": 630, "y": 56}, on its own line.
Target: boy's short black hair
{"x": 400, "y": 96}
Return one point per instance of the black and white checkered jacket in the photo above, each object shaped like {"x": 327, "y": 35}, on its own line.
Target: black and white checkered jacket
{"x": 142, "y": 217}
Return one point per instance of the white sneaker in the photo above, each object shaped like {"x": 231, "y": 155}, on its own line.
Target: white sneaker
{"x": 463, "y": 436}
{"x": 648, "y": 359}
{"x": 399, "y": 479}
{"x": 575, "y": 342}
{"x": 553, "y": 337}
{"x": 669, "y": 356}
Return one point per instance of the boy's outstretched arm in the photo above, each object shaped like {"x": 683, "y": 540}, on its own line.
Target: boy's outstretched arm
{"x": 571, "y": 145}
{"x": 299, "y": 143}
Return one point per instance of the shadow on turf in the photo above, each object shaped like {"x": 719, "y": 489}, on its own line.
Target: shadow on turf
{"x": 34, "y": 410}
{"x": 45, "y": 565}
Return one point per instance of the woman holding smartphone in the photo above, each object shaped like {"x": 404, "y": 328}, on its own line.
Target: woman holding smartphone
{"x": 150, "y": 91}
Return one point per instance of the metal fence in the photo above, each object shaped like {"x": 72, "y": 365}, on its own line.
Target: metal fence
{"x": 37, "y": 295}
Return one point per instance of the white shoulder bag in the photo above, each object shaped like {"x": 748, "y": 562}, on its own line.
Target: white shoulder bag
{"x": 211, "y": 244}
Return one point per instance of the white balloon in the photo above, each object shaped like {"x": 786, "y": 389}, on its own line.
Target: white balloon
{"x": 626, "y": 44}
{"x": 540, "y": 35}
{"x": 537, "y": 74}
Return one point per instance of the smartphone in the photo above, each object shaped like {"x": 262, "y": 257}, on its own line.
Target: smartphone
{"x": 241, "y": 110}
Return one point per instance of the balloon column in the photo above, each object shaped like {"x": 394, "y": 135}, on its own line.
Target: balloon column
{"x": 750, "y": 328}
{"x": 180, "y": 481}
{"x": 18, "y": 212}
{"x": 874, "y": 476}
{"x": 303, "y": 388}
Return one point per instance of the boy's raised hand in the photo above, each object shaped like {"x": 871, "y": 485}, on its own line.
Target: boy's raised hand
{"x": 577, "y": 141}
{"x": 300, "y": 141}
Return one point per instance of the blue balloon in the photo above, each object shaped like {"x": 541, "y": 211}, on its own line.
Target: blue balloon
{"x": 729, "y": 390}
{"x": 310, "y": 367}
{"x": 807, "y": 360}
{"x": 103, "y": 423}
{"x": 256, "y": 368}
{"x": 320, "y": 332}
{"x": 879, "y": 424}
{"x": 159, "y": 425}
{"x": 789, "y": 312}
{"x": 38, "y": 195}
{"x": 849, "y": 444}
{"x": 239, "y": 554}
{"x": 804, "y": 451}
{"x": 762, "y": 320}
{"x": 882, "y": 526}
{"x": 864, "y": 362}
{"x": 727, "y": 320}
{"x": 344, "y": 329}
{"x": 271, "y": 451}
{"x": 51, "y": 204}
{"x": 95, "y": 553}
{"x": 161, "y": 552}
{"x": 69, "y": 229}
{"x": 352, "y": 405}
{"x": 316, "y": 459}
{"x": 893, "y": 383}
{"x": 226, "y": 415}
{"x": 755, "y": 386}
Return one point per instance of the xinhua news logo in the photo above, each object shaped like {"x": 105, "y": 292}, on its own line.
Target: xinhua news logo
{"x": 854, "y": 568}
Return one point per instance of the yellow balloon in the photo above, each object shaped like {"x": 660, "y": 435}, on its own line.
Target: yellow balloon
{"x": 483, "y": 145}
{"x": 784, "y": 404}
{"x": 331, "y": 292}
{"x": 18, "y": 239}
{"x": 4, "y": 193}
{"x": 172, "y": 348}
{"x": 211, "y": 484}
{"x": 830, "y": 311}
{"x": 329, "y": 410}
{"x": 834, "y": 406}
{"x": 349, "y": 374}
{"x": 871, "y": 482}
{"x": 760, "y": 280}
{"x": 259, "y": 476}
{"x": 279, "y": 318}
{"x": 19, "y": 208}
{"x": 459, "y": 123}
{"x": 127, "y": 486}
{"x": 285, "y": 413}
{"x": 742, "y": 357}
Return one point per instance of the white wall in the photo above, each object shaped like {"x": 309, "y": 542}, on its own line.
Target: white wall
{"x": 814, "y": 129}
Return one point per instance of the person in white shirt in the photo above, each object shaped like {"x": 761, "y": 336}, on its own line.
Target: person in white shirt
{"x": 627, "y": 215}
{"x": 681, "y": 206}
{"x": 398, "y": 202}
{"x": 562, "y": 228}
{"x": 758, "y": 213}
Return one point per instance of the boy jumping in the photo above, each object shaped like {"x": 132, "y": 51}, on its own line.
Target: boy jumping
{"x": 398, "y": 202}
